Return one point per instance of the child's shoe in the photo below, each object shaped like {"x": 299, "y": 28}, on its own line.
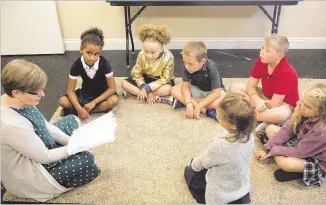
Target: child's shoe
{"x": 283, "y": 176}
{"x": 176, "y": 104}
{"x": 164, "y": 99}
{"x": 211, "y": 113}
{"x": 261, "y": 128}
{"x": 262, "y": 137}
{"x": 66, "y": 111}
{"x": 125, "y": 94}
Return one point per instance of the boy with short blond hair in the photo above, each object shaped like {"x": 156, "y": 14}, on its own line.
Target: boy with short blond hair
{"x": 201, "y": 86}
{"x": 279, "y": 83}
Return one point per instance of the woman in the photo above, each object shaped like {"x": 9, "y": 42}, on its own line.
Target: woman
{"x": 34, "y": 159}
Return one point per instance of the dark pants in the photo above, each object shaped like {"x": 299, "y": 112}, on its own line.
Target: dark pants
{"x": 82, "y": 100}
{"x": 197, "y": 186}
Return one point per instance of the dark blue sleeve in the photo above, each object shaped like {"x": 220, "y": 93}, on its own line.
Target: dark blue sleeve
{"x": 107, "y": 68}
{"x": 75, "y": 69}
{"x": 186, "y": 76}
{"x": 214, "y": 75}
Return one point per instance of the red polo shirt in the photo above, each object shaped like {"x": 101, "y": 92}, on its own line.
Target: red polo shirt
{"x": 283, "y": 80}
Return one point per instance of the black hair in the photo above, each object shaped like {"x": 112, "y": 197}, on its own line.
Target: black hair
{"x": 92, "y": 36}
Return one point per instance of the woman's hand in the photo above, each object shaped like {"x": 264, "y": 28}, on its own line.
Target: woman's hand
{"x": 142, "y": 95}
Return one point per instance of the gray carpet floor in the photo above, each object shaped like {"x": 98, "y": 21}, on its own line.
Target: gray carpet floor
{"x": 153, "y": 145}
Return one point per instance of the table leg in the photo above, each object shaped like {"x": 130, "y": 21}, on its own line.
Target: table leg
{"x": 277, "y": 23}
{"x": 130, "y": 32}
{"x": 273, "y": 19}
{"x": 127, "y": 35}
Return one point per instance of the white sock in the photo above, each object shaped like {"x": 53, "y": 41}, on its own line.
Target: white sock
{"x": 261, "y": 127}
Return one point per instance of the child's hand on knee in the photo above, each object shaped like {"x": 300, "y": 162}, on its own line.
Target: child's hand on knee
{"x": 261, "y": 105}
{"x": 142, "y": 95}
{"x": 83, "y": 114}
{"x": 89, "y": 106}
{"x": 268, "y": 104}
{"x": 150, "y": 98}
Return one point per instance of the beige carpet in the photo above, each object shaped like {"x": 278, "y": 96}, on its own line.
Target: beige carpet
{"x": 153, "y": 145}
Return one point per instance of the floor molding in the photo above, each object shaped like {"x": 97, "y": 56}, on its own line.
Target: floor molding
{"x": 211, "y": 43}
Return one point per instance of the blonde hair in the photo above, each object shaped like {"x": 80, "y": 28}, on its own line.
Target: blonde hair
{"x": 316, "y": 97}
{"x": 238, "y": 110}
{"x": 281, "y": 42}
{"x": 153, "y": 32}
{"x": 22, "y": 75}
{"x": 195, "y": 49}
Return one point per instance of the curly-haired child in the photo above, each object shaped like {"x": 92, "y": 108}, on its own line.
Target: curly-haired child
{"x": 152, "y": 77}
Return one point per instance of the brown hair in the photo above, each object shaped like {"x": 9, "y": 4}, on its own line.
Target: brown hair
{"x": 157, "y": 33}
{"x": 22, "y": 75}
{"x": 92, "y": 36}
{"x": 195, "y": 49}
{"x": 281, "y": 42}
{"x": 316, "y": 96}
{"x": 238, "y": 110}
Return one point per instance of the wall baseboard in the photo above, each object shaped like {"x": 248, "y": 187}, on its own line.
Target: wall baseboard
{"x": 211, "y": 43}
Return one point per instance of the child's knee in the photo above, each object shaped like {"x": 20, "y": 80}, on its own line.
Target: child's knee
{"x": 285, "y": 163}
{"x": 124, "y": 84}
{"x": 271, "y": 130}
{"x": 280, "y": 117}
{"x": 237, "y": 88}
{"x": 64, "y": 101}
{"x": 281, "y": 162}
{"x": 175, "y": 90}
{"x": 113, "y": 100}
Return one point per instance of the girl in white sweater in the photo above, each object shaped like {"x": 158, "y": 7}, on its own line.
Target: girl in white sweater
{"x": 227, "y": 158}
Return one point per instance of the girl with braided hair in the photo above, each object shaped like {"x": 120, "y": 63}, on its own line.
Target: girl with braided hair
{"x": 299, "y": 147}
{"x": 152, "y": 77}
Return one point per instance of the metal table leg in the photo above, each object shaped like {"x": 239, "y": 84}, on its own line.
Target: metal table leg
{"x": 277, "y": 20}
{"x": 128, "y": 23}
{"x": 276, "y": 17}
{"x": 273, "y": 20}
{"x": 130, "y": 33}
{"x": 127, "y": 35}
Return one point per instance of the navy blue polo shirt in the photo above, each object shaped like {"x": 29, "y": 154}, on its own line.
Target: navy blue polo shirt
{"x": 206, "y": 79}
{"x": 97, "y": 85}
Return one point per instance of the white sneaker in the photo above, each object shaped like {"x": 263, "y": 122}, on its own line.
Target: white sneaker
{"x": 125, "y": 94}
{"x": 261, "y": 128}
{"x": 164, "y": 99}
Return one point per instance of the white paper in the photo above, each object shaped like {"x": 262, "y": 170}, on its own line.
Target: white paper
{"x": 98, "y": 132}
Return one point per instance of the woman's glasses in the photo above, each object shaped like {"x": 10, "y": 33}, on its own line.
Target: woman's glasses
{"x": 35, "y": 93}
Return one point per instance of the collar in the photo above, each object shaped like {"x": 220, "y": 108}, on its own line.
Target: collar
{"x": 85, "y": 66}
{"x": 160, "y": 56}
{"x": 277, "y": 69}
{"x": 312, "y": 120}
{"x": 224, "y": 133}
{"x": 205, "y": 66}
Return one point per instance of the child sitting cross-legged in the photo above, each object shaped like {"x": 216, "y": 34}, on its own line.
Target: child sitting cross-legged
{"x": 299, "y": 146}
